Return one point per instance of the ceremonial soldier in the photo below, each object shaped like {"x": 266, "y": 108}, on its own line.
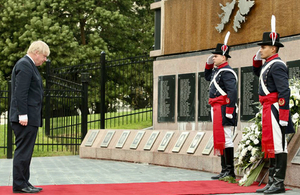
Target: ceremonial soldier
{"x": 274, "y": 95}
{"x": 223, "y": 99}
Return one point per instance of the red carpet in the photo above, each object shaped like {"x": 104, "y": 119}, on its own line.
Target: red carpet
{"x": 155, "y": 188}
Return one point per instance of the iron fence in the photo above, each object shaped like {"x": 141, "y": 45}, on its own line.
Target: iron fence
{"x": 104, "y": 94}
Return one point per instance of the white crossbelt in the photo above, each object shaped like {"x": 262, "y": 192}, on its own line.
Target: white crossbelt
{"x": 222, "y": 92}
{"x": 263, "y": 86}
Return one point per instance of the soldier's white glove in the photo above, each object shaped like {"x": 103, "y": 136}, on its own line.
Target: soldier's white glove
{"x": 283, "y": 123}
{"x": 229, "y": 116}
{"x": 210, "y": 59}
{"x": 258, "y": 55}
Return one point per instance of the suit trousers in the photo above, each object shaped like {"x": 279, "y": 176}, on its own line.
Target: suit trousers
{"x": 25, "y": 141}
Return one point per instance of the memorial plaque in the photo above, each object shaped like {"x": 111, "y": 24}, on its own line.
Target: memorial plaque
{"x": 151, "y": 140}
{"x": 137, "y": 139}
{"x": 294, "y": 69}
{"x": 203, "y": 96}
{"x": 197, "y": 139}
{"x": 122, "y": 139}
{"x": 91, "y": 138}
{"x": 249, "y": 94}
{"x": 165, "y": 141}
{"x": 296, "y": 159}
{"x": 180, "y": 141}
{"x": 166, "y": 99}
{"x": 107, "y": 139}
{"x": 209, "y": 146}
{"x": 186, "y": 97}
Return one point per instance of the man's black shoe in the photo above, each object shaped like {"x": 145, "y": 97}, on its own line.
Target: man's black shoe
{"x": 26, "y": 190}
{"x": 38, "y": 188}
{"x": 263, "y": 189}
{"x": 217, "y": 176}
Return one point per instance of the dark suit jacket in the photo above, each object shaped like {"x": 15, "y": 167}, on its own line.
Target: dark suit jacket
{"x": 27, "y": 92}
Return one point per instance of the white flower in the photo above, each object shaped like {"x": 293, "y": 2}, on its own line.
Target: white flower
{"x": 294, "y": 90}
{"x": 295, "y": 117}
{"x": 241, "y": 146}
{"x": 256, "y": 141}
{"x": 247, "y": 142}
{"x": 244, "y": 152}
{"x": 252, "y": 159}
{"x": 291, "y": 103}
{"x": 250, "y": 148}
{"x": 254, "y": 150}
{"x": 252, "y": 137}
{"x": 240, "y": 160}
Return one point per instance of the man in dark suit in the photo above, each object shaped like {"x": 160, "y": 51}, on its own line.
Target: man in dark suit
{"x": 25, "y": 112}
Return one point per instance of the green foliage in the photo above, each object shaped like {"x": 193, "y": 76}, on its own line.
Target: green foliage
{"x": 228, "y": 179}
{"x": 76, "y": 32}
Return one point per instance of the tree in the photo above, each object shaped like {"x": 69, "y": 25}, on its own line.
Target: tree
{"x": 77, "y": 31}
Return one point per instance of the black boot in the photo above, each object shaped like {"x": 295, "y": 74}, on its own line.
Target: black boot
{"x": 223, "y": 168}
{"x": 279, "y": 174}
{"x": 229, "y": 155}
{"x": 271, "y": 176}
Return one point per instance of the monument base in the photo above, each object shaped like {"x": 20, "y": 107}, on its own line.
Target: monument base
{"x": 181, "y": 149}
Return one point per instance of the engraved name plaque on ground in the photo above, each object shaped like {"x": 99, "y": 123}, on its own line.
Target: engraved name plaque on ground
{"x": 186, "y": 97}
{"x": 137, "y": 139}
{"x": 296, "y": 159}
{"x": 107, "y": 139}
{"x": 151, "y": 140}
{"x": 165, "y": 141}
{"x": 203, "y": 96}
{"x": 180, "y": 141}
{"x": 122, "y": 139}
{"x": 166, "y": 98}
{"x": 197, "y": 139}
{"x": 92, "y": 137}
{"x": 294, "y": 69}
{"x": 249, "y": 94}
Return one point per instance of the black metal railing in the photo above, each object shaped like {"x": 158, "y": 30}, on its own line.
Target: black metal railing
{"x": 104, "y": 94}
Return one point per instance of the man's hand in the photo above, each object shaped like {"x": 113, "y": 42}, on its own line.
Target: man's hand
{"x": 23, "y": 120}
{"x": 229, "y": 116}
{"x": 210, "y": 59}
{"x": 258, "y": 55}
{"x": 283, "y": 123}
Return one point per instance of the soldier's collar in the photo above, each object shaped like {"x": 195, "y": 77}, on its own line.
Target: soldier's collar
{"x": 272, "y": 57}
{"x": 222, "y": 65}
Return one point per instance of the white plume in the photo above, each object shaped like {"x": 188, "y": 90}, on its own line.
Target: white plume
{"x": 273, "y": 23}
{"x": 226, "y": 38}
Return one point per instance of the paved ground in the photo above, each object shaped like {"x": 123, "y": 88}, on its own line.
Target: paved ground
{"x": 73, "y": 170}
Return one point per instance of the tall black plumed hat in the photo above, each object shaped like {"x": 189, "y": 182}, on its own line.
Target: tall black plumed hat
{"x": 271, "y": 38}
{"x": 223, "y": 49}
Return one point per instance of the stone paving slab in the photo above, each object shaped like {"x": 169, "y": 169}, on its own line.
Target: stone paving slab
{"x": 74, "y": 170}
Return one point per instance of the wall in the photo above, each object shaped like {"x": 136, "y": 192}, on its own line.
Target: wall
{"x": 189, "y": 25}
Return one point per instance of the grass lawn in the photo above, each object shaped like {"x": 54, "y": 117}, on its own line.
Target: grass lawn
{"x": 49, "y": 146}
